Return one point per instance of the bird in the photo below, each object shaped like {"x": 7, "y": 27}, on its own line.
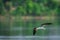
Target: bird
{"x": 42, "y": 27}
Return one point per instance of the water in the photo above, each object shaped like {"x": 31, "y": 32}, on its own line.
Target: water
{"x": 29, "y": 37}
{"x": 53, "y": 34}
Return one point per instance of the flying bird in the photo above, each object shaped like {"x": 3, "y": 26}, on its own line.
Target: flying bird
{"x": 42, "y": 27}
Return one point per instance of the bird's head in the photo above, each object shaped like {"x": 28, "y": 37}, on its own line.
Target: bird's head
{"x": 35, "y": 28}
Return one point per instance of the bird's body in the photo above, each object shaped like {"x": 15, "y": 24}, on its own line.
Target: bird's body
{"x": 42, "y": 27}
{"x": 38, "y": 28}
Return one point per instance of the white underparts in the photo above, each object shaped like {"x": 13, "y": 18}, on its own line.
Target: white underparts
{"x": 41, "y": 28}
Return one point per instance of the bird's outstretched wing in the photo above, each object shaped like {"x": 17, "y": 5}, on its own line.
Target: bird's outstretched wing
{"x": 34, "y": 31}
{"x": 46, "y": 24}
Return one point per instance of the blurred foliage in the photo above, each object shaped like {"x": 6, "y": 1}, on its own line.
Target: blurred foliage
{"x": 30, "y": 7}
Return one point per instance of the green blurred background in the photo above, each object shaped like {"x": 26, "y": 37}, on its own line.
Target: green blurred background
{"x": 19, "y": 17}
